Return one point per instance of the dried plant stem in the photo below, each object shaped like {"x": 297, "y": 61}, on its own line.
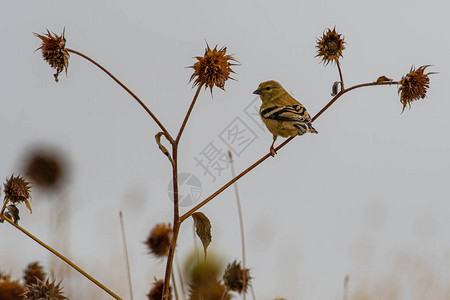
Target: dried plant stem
{"x": 3, "y": 209}
{"x": 176, "y": 213}
{"x": 126, "y": 89}
{"x": 183, "y": 125}
{"x": 225, "y": 294}
{"x": 61, "y": 257}
{"x": 346, "y": 280}
{"x": 253, "y": 292}
{"x": 176, "y": 223}
{"x": 125, "y": 253}
{"x": 241, "y": 219}
{"x": 342, "y": 92}
{"x": 180, "y": 276}
{"x": 340, "y": 74}
{"x": 175, "y": 290}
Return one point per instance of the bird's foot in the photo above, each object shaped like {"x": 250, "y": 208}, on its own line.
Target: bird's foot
{"x": 272, "y": 151}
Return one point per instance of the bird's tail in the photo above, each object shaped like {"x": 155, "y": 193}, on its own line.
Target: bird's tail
{"x": 304, "y": 128}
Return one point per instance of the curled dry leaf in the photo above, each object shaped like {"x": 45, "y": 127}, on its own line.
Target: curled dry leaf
{"x": 202, "y": 228}
{"x": 384, "y": 79}
{"x": 162, "y": 148}
{"x": 13, "y": 213}
{"x": 335, "y": 88}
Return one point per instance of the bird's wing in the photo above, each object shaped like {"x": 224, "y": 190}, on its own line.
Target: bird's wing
{"x": 286, "y": 113}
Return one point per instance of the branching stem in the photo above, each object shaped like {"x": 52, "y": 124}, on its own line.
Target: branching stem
{"x": 342, "y": 92}
{"x": 66, "y": 260}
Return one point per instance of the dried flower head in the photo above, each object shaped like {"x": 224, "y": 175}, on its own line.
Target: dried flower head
{"x": 156, "y": 293}
{"x": 54, "y": 51}
{"x": 17, "y": 190}
{"x": 213, "y": 68}
{"x": 236, "y": 278}
{"x": 330, "y": 46}
{"x": 34, "y": 273}
{"x": 414, "y": 86}
{"x": 158, "y": 241}
{"x": 10, "y": 290}
{"x": 43, "y": 290}
{"x": 45, "y": 168}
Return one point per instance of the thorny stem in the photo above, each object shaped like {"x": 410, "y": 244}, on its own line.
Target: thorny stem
{"x": 61, "y": 257}
{"x": 342, "y": 92}
{"x": 126, "y": 89}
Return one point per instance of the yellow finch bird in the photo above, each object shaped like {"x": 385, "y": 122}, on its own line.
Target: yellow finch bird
{"x": 283, "y": 115}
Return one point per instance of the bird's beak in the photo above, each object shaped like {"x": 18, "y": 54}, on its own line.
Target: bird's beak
{"x": 257, "y": 92}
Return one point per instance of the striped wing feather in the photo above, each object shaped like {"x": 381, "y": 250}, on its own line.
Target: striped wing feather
{"x": 294, "y": 113}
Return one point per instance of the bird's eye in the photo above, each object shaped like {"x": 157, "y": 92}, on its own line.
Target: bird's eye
{"x": 267, "y": 87}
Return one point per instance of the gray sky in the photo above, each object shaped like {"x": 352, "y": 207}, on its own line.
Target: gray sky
{"x": 366, "y": 197}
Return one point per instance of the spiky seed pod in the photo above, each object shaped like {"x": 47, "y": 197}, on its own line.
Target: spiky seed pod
{"x": 10, "y": 290}
{"x": 414, "y": 86}
{"x": 158, "y": 241}
{"x": 54, "y": 51}
{"x": 213, "y": 68}
{"x": 156, "y": 293}
{"x": 43, "y": 290}
{"x": 17, "y": 190}
{"x": 34, "y": 273}
{"x": 212, "y": 291}
{"x": 46, "y": 169}
{"x": 330, "y": 46}
{"x": 236, "y": 278}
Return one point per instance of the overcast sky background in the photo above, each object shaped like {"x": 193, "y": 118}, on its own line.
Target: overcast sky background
{"x": 368, "y": 196}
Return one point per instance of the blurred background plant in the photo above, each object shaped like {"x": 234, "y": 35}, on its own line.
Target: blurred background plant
{"x": 405, "y": 98}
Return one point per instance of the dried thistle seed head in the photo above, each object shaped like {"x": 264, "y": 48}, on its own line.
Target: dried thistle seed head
{"x": 43, "y": 290}
{"x": 236, "y": 278}
{"x": 213, "y": 68}
{"x": 17, "y": 190}
{"x": 330, "y": 46}
{"x": 54, "y": 51}
{"x": 414, "y": 85}
{"x": 34, "y": 273}
{"x": 156, "y": 293}
{"x": 10, "y": 290}
{"x": 158, "y": 241}
{"x": 45, "y": 168}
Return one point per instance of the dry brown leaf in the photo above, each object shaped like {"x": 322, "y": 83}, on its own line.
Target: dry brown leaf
{"x": 202, "y": 228}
